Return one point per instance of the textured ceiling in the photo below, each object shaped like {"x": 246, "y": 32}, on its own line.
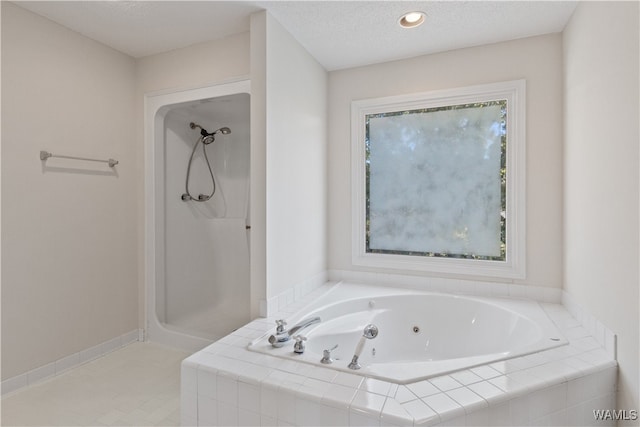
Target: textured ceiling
{"x": 339, "y": 34}
{"x": 348, "y": 34}
{"x": 142, "y": 28}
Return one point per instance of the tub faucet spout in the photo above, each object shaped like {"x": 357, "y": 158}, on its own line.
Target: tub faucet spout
{"x": 281, "y": 338}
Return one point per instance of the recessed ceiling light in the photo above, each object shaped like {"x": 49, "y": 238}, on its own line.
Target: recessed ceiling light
{"x": 411, "y": 19}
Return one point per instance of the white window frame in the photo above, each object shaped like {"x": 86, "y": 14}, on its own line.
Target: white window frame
{"x": 514, "y": 265}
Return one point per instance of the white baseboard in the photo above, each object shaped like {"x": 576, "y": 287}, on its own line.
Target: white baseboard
{"x": 60, "y": 366}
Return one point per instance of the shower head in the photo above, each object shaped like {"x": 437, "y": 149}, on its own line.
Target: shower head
{"x": 370, "y": 331}
{"x": 207, "y": 137}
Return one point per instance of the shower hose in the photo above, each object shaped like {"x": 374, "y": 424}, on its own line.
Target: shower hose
{"x": 201, "y": 197}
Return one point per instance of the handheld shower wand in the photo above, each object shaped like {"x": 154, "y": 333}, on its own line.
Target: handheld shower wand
{"x": 369, "y": 333}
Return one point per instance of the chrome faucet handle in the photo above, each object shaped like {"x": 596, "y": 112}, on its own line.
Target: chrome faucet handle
{"x": 280, "y": 324}
{"x": 298, "y": 346}
{"x": 326, "y": 355}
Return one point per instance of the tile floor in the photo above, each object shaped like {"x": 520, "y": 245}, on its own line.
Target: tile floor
{"x": 137, "y": 385}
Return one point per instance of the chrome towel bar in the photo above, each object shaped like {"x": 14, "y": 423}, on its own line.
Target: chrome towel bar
{"x": 44, "y": 155}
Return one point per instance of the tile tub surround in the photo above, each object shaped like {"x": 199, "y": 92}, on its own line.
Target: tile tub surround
{"x": 225, "y": 384}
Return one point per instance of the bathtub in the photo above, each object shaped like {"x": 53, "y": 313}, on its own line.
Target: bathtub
{"x": 421, "y": 334}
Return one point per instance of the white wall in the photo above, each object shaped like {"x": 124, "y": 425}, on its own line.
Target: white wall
{"x": 198, "y": 65}
{"x": 601, "y": 174}
{"x": 75, "y": 242}
{"x": 294, "y": 94}
{"x": 258, "y": 199}
{"x": 68, "y": 228}
{"x": 539, "y": 61}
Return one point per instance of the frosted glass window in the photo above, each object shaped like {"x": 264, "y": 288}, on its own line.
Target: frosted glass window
{"x": 436, "y": 181}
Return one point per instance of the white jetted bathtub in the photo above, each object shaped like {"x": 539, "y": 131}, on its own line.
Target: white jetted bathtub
{"x": 420, "y": 334}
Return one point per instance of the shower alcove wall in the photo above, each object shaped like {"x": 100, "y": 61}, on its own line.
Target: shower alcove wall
{"x": 197, "y": 253}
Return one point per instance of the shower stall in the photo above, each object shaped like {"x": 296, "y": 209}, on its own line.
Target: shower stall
{"x": 197, "y": 234}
